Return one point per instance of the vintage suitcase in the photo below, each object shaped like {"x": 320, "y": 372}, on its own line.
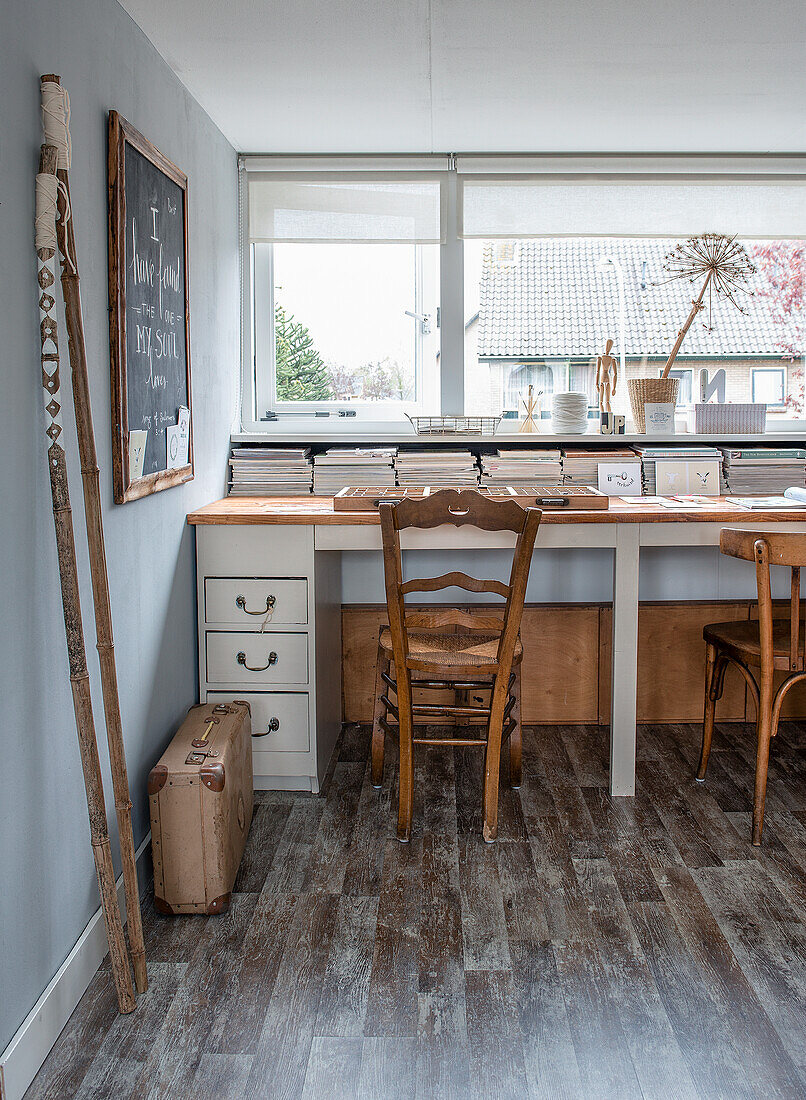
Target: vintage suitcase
{"x": 200, "y": 796}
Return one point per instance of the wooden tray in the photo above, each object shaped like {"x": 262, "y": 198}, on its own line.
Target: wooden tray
{"x": 575, "y": 497}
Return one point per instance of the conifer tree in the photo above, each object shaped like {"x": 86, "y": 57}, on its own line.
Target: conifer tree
{"x": 301, "y": 371}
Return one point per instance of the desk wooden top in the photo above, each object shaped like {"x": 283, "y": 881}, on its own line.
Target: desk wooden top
{"x": 318, "y": 511}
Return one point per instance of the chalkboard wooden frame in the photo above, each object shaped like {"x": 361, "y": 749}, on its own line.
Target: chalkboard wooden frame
{"x": 123, "y": 134}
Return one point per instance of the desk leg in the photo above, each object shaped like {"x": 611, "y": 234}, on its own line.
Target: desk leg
{"x": 624, "y": 684}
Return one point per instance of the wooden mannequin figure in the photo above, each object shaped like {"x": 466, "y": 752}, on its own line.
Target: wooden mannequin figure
{"x": 604, "y": 365}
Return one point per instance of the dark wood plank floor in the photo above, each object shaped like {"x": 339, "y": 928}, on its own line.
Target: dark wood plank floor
{"x": 603, "y": 948}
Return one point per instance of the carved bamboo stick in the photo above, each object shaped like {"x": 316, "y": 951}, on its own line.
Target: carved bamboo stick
{"x": 79, "y": 677}
{"x": 100, "y": 581}
{"x": 696, "y": 306}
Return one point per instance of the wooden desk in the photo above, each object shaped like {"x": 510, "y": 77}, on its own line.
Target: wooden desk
{"x": 246, "y": 543}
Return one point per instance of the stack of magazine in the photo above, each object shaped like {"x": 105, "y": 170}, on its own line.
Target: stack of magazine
{"x": 582, "y": 467}
{"x": 356, "y": 466}
{"x": 452, "y": 469}
{"x": 270, "y": 472}
{"x": 518, "y": 468}
{"x": 763, "y": 470}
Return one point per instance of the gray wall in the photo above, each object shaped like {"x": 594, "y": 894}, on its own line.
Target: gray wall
{"x": 47, "y": 883}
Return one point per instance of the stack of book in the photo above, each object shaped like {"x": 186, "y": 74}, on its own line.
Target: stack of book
{"x": 270, "y": 472}
{"x": 691, "y": 459}
{"x": 521, "y": 468}
{"x": 452, "y": 469}
{"x": 357, "y": 466}
{"x": 582, "y": 467}
{"x": 763, "y": 470}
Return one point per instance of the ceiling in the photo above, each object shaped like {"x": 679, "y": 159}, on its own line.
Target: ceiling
{"x": 500, "y": 76}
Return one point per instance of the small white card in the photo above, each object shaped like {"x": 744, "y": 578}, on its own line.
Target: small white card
{"x": 617, "y": 479}
{"x": 177, "y": 440}
{"x": 172, "y": 447}
{"x": 137, "y": 452}
{"x": 659, "y": 418}
{"x": 699, "y": 476}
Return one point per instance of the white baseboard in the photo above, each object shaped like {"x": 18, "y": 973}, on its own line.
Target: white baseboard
{"x": 24, "y": 1055}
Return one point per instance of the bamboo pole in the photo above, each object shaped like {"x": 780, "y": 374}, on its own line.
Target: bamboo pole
{"x": 696, "y": 306}
{"x": 100, "y": 581}
{"x": 79, "y": 676}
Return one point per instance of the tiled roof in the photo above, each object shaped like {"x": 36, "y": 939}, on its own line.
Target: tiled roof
{"x": 547, "y": 299}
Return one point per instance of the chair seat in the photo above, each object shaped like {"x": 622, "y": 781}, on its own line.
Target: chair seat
{"x": 742, "y": 640}
{"x": 432, "y": 651}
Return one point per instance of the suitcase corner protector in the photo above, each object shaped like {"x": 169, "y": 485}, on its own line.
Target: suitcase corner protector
{"x": 157, "y": 778}
{"x": 220, "y": 904}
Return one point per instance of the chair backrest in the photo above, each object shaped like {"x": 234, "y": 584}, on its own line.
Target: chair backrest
{"x": 766, "y": 549}
{"x": 460, "y": 508}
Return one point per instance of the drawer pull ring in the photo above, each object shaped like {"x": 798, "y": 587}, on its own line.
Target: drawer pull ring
{"x": 240, "y": 601}
{"x": 241, "y": 659}
{"x": 274, "y": 725}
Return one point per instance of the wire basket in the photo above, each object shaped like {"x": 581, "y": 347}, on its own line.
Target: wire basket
{"x": 455, "y": 425}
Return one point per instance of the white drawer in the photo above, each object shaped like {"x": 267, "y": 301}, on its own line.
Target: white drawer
{"x": 284, "y": 714}
{"x": 252, "y": 658}
{"x": 244, "y": 601}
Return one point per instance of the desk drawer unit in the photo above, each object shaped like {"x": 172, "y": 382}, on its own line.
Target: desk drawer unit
{"x": 269, "y": 614}
{"x": 249, "y": 602}
{"x": 247, "y": 659}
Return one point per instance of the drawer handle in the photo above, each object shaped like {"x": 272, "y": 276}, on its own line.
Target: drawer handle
{"x": 274, "y": 725}
{"x": 240, "y": 601}
{"x": 241, "y": 659}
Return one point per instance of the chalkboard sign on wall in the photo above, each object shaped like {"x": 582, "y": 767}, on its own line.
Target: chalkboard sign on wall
{"x": 149, "y": 321}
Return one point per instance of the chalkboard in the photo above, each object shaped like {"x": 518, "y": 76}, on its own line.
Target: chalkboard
{"x": 148, "y": 316}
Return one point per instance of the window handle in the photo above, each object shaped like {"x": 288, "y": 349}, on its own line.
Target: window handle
{"x": 424, "y": 320}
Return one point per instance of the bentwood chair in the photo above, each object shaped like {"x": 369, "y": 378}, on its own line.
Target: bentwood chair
{"x": 768, "y": 645}
{"x": 481, "y": 652}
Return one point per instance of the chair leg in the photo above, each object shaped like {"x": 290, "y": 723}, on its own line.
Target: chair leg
{"x": 406, "y": 771}
{"x": 492, "y": 758}
{"x": 708, "y": 712}
{"x": 515, "y": 739}
{"x": 764, "y": 732}
{"x": 378, "y": 738}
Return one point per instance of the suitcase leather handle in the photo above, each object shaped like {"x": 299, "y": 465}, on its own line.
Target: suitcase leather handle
{"x": 240, "y": 601}
{"x": 241, "y": 659}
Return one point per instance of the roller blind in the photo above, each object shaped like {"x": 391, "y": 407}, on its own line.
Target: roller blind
{"x": 606, "y": 204}
{"x": 343, "y": 210}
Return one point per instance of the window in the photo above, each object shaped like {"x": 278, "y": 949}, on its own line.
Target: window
{"x": 345, "y": 292}
{"x": 769, "y": 385}
{"x": 431, "y": 284}
{"x": 684, "y": 390}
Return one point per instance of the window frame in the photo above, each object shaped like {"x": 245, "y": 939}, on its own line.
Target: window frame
{"x": 262, "y": 257}
{"x": 450, "y": 170}
{"x": 780, "y": 370}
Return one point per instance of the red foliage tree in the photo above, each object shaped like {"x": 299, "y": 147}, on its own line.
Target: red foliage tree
{"x": 781, "y": 269}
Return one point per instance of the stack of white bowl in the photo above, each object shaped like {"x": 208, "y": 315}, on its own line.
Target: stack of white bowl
{"x": 569, "y": 413}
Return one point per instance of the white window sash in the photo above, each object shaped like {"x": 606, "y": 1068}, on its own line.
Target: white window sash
{"x": 784, "y": 172}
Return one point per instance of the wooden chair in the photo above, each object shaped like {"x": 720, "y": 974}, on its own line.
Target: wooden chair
{"x": 483, "y": 652}
{"x": 769, "y": 645}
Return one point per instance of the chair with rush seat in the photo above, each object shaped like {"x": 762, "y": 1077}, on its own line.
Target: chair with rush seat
{"x": 770, "y": 645}
{"x": 483, "y": 652}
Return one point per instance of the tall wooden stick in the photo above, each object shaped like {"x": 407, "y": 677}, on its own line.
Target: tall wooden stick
{"x": 79, "y": 677}
{"x": 100, "y": 581}
{"x": 696, "y": 306}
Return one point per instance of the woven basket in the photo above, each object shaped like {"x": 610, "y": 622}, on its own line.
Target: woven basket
{"x": 655, "y": 390}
